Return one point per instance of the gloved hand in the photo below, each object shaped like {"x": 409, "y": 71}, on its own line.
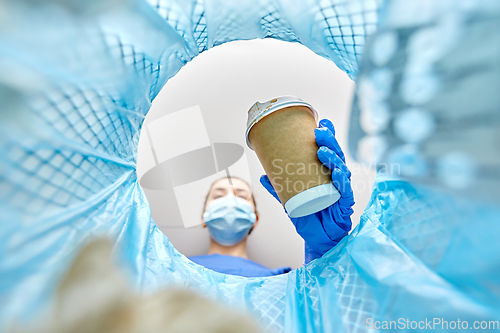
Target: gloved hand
{"x": 323, "y": 230}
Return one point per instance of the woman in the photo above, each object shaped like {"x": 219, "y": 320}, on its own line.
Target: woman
{"x": 230, "y": 214}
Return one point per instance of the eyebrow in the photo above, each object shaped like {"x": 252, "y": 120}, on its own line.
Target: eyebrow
{"x": 225, "y": 190}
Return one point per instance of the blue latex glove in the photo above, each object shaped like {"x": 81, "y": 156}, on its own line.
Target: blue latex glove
{"x": 323, "y": 230}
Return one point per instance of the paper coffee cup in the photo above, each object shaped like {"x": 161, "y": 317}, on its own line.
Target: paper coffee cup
{"x": 281, "y": 132}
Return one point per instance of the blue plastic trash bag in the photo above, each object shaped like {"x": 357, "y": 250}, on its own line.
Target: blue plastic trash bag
{"x": 77, "y": 79}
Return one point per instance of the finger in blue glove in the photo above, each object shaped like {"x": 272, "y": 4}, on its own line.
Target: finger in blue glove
{"x": 325, "y": 136}
{"x": 343, "y": 184}
{"x": 264, "y": 180}
{"x": 332, "y": 161}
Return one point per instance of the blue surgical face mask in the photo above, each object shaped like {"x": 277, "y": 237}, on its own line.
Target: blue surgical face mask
{"x": 229, "y": 219}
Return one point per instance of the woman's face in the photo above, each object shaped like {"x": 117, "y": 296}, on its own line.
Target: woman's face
{"x": 222, "y": 187}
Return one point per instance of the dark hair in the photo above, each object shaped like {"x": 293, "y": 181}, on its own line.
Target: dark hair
{"x": 251, "y": 192}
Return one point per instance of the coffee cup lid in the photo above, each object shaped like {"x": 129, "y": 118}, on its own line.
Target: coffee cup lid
{"x": 260, "y": 110}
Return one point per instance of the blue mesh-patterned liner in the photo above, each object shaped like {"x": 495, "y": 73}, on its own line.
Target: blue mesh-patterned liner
{"x": 77, "y": 79}
{"x": 346, "y": 24}
{"x": 276, "y": 27}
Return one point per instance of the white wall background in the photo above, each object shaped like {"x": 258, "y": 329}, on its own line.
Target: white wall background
{"x": 225, "y": 81}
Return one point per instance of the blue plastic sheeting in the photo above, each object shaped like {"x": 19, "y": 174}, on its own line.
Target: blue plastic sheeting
{"x": 77, "y": 79}
{"x": 426, "y": 106}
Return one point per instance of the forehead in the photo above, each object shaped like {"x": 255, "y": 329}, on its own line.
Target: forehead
{"x": 224, "y": 184}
